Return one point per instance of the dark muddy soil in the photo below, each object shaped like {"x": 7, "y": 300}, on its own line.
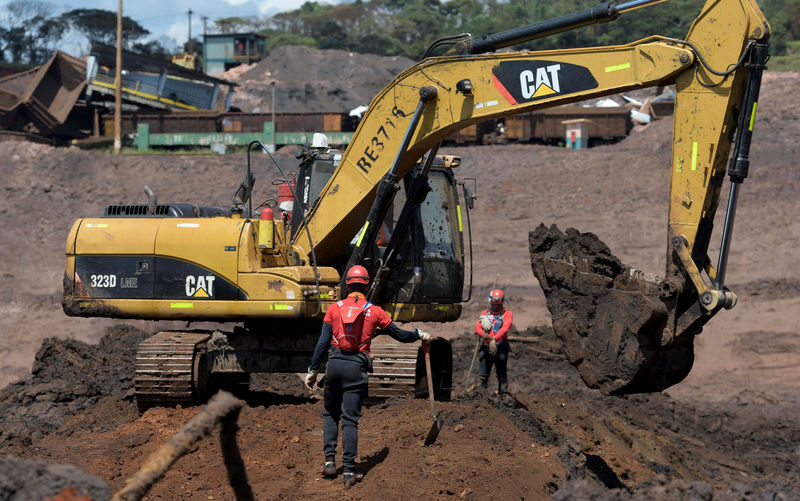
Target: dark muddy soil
{"x": 25, "y": 479}
{"x": 67, "y": 378}
{"x": 551, "y": 435}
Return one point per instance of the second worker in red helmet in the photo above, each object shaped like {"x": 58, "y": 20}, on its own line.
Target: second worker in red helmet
{"x": 493, "y": 325}
{"x": 347, "y": 333}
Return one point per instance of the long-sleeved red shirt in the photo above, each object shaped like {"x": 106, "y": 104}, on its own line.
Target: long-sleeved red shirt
{"x": 500, "y": 325}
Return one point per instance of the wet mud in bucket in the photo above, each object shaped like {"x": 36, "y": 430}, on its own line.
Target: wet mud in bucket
{"x": 608, "y": 316}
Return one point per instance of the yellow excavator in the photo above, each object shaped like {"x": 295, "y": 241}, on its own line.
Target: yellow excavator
{"x": 275, "y": 277}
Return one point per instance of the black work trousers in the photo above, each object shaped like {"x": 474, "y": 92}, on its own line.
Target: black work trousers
{"x": 499, "y": 360}
{"x": 346, "y": 384}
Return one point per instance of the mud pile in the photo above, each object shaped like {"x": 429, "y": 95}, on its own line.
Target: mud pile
{"x": 67, "y": 378}
{"x": 609, "y": 318}
{"x": 316, "y": 81}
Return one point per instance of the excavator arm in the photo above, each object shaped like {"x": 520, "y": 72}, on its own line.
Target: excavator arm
{"x": 716, "y": 71}
{"x": 474, "y": 88}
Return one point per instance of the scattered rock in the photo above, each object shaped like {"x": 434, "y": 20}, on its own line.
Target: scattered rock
{"x": 26, "y": 479}
{"x": 68, "y": 377}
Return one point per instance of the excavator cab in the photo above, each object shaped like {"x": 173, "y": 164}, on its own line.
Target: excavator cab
{"x": 429, "y": 264}
{"x": 418, "y": 259}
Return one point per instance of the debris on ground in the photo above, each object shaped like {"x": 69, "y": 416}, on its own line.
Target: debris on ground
{"x": 23, "y": 479}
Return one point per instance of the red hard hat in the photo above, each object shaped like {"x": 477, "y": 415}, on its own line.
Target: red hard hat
{"x": 496, "y": 296}
{"x": 357, "y": 275}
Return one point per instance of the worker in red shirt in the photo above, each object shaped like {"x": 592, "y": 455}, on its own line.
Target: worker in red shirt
{"x": 347, "y": 332}
{"x": 493, "y": 327}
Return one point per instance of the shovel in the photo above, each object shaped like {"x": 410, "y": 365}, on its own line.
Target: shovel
{"x": 436, "y": 427}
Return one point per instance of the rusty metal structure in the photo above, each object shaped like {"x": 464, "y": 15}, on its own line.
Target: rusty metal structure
{"x": 43, "y": 97}
{"x": 162, "y": 122}
{"x": 154, "y": 83}
{"x": 546, "y": 126}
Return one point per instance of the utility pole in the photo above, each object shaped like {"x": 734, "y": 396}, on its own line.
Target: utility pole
{"x": 190, "y": 33}
{"x": 205, "y": 28}
{"x": 272, "y": 105}
{"x": 118, "y": 86}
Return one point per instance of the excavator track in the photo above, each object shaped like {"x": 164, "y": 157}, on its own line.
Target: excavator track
{"x": 394, "y": 367}
{"x": 399, "y": 369}
{"x": 168, "y": 369}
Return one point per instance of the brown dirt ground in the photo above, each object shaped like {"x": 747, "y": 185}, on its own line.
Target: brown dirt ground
{"x": 732, "y": 421}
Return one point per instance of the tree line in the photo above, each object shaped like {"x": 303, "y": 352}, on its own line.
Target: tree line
{"x": 29, "y": 32}
{"x": 407, "y": 27}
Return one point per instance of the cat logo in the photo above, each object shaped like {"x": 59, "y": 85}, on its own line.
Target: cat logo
{"x": 522, "y": 81}
{"x": 200, "y": 286}
{"x": 544, "y": 83}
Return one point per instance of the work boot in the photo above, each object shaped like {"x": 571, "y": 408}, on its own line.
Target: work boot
{"x": 351, "y": 478}
{"x": 483, "y": 382}
{"x": 502, "y": 386}
{"x": 329, "y": 469}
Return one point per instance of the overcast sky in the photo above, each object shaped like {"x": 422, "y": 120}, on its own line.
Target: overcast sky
{"x": 170, "y": 17}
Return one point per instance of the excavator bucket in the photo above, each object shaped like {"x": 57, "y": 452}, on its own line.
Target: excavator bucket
{"x": 608, "y": 316}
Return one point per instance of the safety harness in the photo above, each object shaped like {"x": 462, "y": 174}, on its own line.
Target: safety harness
{"x": 348, "y": 335}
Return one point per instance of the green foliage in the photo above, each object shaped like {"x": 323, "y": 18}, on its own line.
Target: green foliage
{"x": 101, "y": 25}
{"x": 407, "y": 27}
{"x": 227, "y": 25}
{"x": 281, "y": 39}
{"x": 331, "y": 36}
{"x": 789, "y": 61}
{"x": 380, "y": 44}
{"x": 28, "y": 33}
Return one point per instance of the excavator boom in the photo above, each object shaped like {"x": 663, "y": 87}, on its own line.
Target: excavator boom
{"x": 716, "y": 71}
{"x": 471, "y": 89}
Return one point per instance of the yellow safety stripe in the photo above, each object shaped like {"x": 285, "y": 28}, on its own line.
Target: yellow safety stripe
{"x": 753, "y": 116}
{"x": 363, "y": 232}
{"x": 623, "y": 66}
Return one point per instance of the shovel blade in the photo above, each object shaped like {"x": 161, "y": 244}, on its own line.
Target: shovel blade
{"x": 436, "y": 427}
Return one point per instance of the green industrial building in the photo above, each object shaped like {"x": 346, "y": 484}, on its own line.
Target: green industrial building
{"x": 223, "y": 52}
